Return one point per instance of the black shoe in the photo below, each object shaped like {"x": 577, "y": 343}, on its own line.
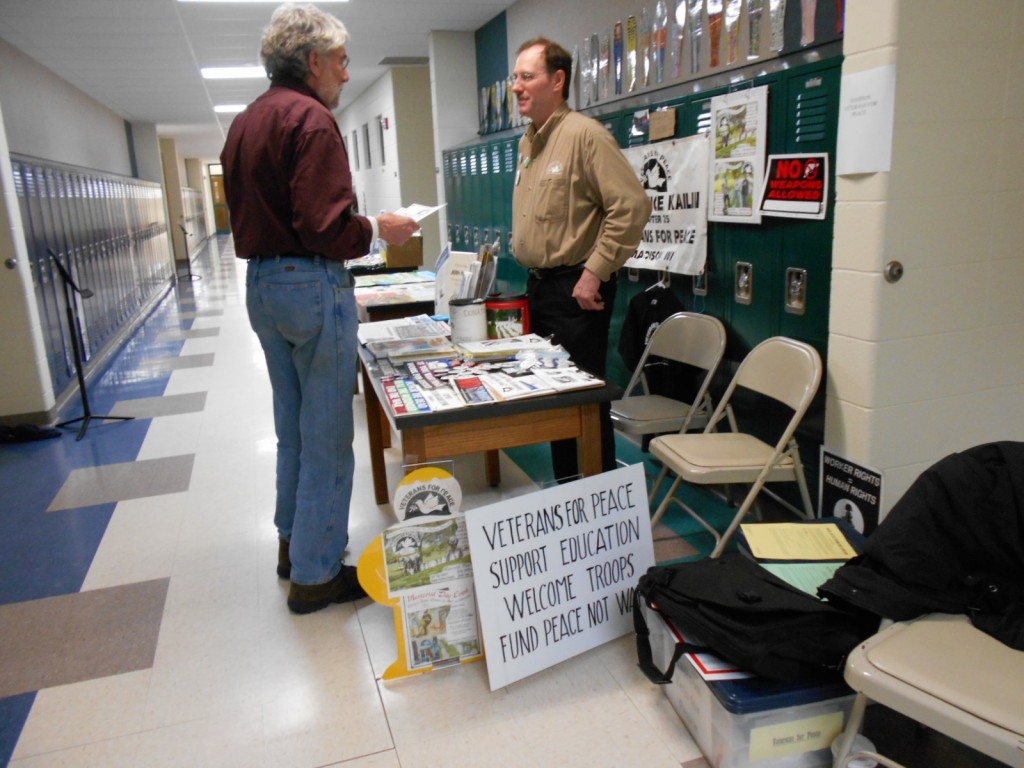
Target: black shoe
{"x": 284, "y": 562}
{"x": 343, "y": 588}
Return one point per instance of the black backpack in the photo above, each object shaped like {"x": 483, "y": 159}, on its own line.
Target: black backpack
{"x": 744, "y": 614}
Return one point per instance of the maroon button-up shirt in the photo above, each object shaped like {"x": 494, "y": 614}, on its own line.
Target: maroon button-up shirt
{"x": 287, "y": 179}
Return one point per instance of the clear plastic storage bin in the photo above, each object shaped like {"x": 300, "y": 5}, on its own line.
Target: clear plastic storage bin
{"x": 753, "y": 721}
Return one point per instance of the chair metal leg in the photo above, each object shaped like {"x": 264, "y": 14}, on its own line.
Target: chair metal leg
{"x": 657, "y": 485}
{"x": 842, "y": 751}
{"x": 738, "y": 517}
{"x": 801, "y": 481}
{"x": 668, "y": 497}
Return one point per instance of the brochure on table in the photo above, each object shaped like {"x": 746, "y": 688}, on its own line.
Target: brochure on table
{"x": 465, "y": 275}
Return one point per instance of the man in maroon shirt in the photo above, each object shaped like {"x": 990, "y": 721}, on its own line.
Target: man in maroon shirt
{"x": 289, "y": 190}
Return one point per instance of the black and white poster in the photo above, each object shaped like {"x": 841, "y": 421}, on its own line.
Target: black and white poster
{"x": 851, "y": 492}
{"x": 674, "y": 174}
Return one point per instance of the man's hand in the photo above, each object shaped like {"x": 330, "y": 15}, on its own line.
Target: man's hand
{"x": 396, "y": 229}
{"x": 588, "y": 291}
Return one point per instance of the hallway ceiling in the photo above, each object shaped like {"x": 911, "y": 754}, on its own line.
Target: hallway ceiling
{"x": 141, "y": 58}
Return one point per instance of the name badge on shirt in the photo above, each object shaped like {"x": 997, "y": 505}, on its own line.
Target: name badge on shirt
{"x": 555, "y": 168}
{"x": 518, "y": 171}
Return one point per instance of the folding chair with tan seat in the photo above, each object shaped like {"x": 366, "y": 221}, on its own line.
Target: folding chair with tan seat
{"x": 947, "y": 675}
{"x": 685, "y": 337}
{"x": 783, "y": 369}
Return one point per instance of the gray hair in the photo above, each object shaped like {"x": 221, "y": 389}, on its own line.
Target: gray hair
{"x": 294, "y": 32}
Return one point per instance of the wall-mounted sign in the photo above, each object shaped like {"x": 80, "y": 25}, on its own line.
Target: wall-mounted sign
{"x": 796, "y": 186}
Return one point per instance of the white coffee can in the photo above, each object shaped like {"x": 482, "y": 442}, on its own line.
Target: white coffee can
{"x": 468, "y": 320}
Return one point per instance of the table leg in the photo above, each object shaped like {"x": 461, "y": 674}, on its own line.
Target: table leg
{"x": 588, "y": 445}
{"x": 493, "y": 468}
{"x": 375, "y": 432}
{"x": 385, "y": 430}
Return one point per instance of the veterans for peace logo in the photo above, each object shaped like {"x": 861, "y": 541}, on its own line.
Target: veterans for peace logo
{"x": 654, "y": 174}
{"x": 427, "y": 491}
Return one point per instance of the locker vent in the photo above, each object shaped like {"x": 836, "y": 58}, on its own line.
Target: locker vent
{"x": 510, "y": 157}
{"x": 811, "y": 117}
{"x": 704, "y": 119}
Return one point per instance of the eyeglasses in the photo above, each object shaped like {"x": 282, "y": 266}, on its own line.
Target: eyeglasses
{"x": 524, "y": 77}
{"x": 344, "y": 62}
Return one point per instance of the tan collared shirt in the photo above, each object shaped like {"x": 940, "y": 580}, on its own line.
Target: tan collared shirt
{"x": 576, "y": 199}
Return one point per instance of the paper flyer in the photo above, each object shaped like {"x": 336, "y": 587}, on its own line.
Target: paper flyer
{"x": 739, "y": 125}
{"x": 696, "y": 25}
{"x": 732, "y": 30}
{"x": 441, "y": 624}
{"x": 714, "y": 31}
{"x": 426, "y": 552}
{"x": 617, "y": 53}
{"x": 632, "y": 61}
{"x": 419, "y": 212}
{"x": 755, "y": 12}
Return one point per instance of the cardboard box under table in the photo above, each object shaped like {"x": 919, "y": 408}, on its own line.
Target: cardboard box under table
{"x": 752, "y": 722}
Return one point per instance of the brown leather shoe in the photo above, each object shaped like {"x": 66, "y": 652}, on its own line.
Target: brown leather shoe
{"x": 284, "y": 561}
{"x": 343, "y": 588}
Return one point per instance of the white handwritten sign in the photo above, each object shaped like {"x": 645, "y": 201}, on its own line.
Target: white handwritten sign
{"x": 555, "y": 570}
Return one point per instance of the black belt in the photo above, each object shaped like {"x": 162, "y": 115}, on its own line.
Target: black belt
{"x": 545, "y": 274}
{"x": 264, "y": 256}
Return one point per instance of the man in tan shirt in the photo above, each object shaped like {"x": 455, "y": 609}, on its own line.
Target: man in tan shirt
{"x": 578, "y": 214}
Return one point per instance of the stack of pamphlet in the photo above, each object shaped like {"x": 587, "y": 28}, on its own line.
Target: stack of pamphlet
{"x": 472, "y": 390}
{"x": 513, "y": 386}
{"x": 566, "y": 379}
{"x": 499, "y": 349}
{"x": 414, "y": 327}
{"x": 406, "y": 395}
{"x": 404, "y": 350}
{"x": 805, "y": 554}
{"x": 409, "y": 338}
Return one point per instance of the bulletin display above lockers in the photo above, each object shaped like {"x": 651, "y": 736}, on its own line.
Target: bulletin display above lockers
{"x": 665, "y": 43}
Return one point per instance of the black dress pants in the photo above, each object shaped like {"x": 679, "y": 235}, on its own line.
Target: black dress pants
{"x": 584, "y": 334}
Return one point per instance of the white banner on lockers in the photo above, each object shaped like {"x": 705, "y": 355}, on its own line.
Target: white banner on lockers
{"x": 675, "y": 175}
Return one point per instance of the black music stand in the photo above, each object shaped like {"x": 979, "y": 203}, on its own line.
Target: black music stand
{"x": 188, "y": 259}
{"x": 74, "y": 331}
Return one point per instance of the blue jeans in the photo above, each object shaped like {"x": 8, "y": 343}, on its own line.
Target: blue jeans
{"x": 304, "y": 313}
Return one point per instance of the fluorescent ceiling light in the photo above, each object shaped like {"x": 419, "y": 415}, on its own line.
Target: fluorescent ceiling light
{"x": 233, "y": 73}
{"x": 252, "y": 1}
{"x": 225, "y": 109}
